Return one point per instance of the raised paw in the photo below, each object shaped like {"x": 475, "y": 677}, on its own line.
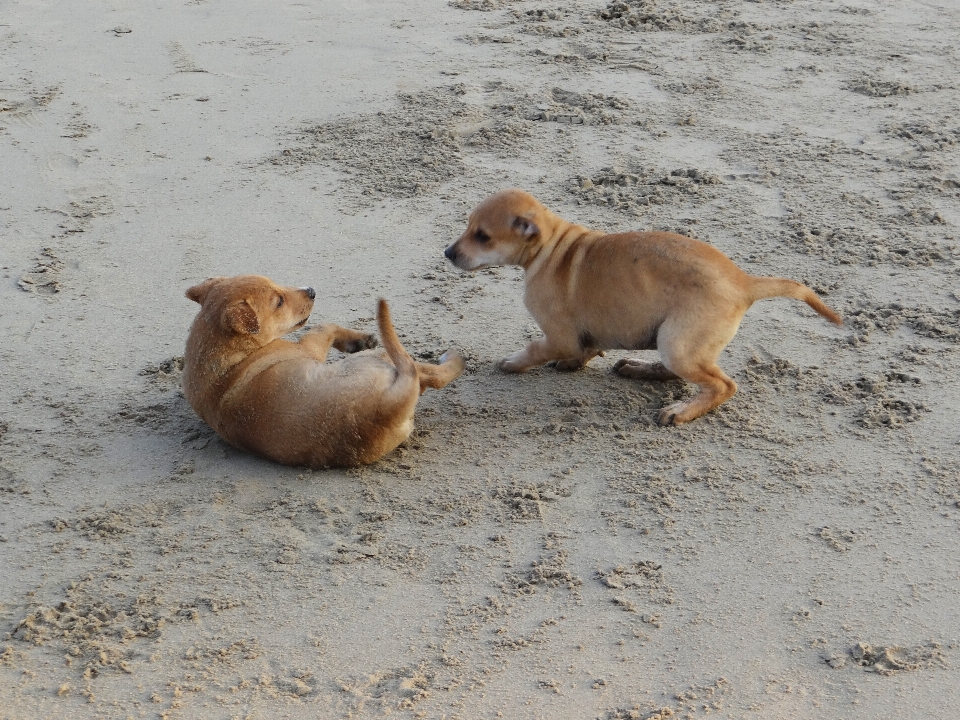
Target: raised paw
{"x": 452, "y": 356}
{"x": 363, "y": 342}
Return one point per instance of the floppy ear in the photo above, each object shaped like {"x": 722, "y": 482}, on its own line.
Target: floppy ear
{"x": 198, "y": 293}
{"x": 241, "y": 318}
{"x": 526, "y": 228}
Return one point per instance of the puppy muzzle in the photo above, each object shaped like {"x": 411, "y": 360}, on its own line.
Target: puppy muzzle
{"x": 309, "y": 292}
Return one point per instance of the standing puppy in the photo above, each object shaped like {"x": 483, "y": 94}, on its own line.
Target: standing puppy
{"x": 591, "y": 292}
{"x": 279, "y": 399}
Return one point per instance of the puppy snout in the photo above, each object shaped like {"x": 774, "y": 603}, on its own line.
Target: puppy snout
{"x": 450, "y": 253}
{"x": 309, "y": 291}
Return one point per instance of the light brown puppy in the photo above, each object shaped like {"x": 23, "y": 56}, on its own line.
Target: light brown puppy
{"x": 591, "y": 292}
{"x": 278, "y": 398}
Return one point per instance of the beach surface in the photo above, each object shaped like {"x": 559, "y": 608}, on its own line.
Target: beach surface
{"x": 539, "y": 547}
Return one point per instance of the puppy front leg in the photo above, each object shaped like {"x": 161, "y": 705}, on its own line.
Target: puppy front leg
{"x": 536, "y": 353}
{"x": 319, "y": 340}
{"x": 644, "y": 369}
{"x": 351, "y": 341}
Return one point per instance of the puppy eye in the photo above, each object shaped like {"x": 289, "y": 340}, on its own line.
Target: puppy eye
{"x": 280, "y": 302}
{"x": 481, "y": 236}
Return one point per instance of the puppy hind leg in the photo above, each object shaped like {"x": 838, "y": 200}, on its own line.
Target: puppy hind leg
{"x": 690, "y": 349}
{"x": 715, "y": 388}
{"x": 437, "y": 376}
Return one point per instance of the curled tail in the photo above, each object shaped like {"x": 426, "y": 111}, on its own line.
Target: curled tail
{"x": 767, "y": 287}
{"x": 406, "y": 368}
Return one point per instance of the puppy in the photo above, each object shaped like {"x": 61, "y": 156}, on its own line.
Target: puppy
{"x": 278, "y": 398}
{"x": 591, "y": 292}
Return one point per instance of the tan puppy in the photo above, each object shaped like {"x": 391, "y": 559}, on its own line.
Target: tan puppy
{"x": 278, "y": 398}
{"x": 591, "y": 292}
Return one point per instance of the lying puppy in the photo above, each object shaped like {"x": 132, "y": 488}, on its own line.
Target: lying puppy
{"x": 278, "y": 398}
{"x": 592, "y": 292}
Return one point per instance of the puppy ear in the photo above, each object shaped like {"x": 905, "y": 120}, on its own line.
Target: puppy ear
{"x": 526, "y": 228}
{"x": 241, "y": 318}
{"x": 198, "y": 293}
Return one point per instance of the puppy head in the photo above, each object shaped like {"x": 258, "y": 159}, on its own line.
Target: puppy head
{"x": 252, "y": 306}
{"x": 501, "y": 231}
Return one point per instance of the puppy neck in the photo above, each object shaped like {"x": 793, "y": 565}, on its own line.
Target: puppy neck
{"x": 214, "y": 352}
{"x": 556, "y": 231}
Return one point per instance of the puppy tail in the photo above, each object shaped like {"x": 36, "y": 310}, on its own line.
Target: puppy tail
{"x": 406, "y": 368}
{"x": 767, "y": 287}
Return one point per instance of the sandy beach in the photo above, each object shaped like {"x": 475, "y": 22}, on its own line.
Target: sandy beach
{"x": 539, "y": 547}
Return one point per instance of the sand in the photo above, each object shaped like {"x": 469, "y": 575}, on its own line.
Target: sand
{"x": 539, "y": 548}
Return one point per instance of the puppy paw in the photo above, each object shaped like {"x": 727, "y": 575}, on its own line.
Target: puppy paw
{"x": 671, "y": 415}
{"x": 452, "y": 356}
{"x": 512, "y": 363}
{"x": 634, "y": 368}
{"x": 638, "y": 369}
{"x": 364, "y": 342}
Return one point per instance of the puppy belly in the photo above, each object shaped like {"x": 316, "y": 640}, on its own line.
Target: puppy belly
{"x": 643, "y": 339}
{"x": 340, "y": 422}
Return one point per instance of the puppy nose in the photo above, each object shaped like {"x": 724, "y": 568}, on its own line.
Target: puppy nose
{"x": 450, "y": 253}
{"x": 311, "y": 293}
